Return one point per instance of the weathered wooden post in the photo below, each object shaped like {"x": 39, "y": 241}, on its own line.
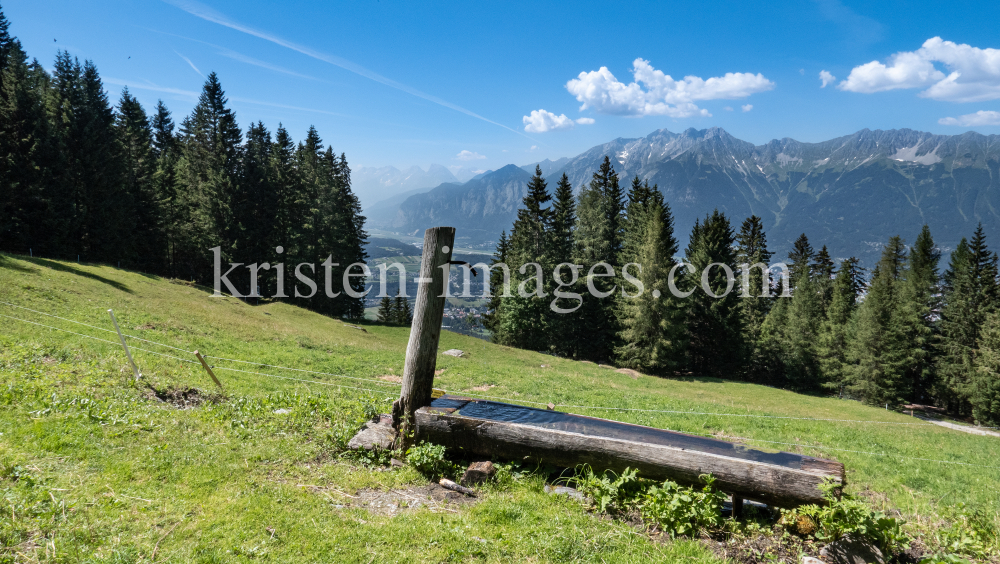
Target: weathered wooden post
{"x": 421, "y": 352}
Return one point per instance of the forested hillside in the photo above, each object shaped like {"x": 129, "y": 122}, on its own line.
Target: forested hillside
{"x": 88, "y": 179}
{"x": 903, "y": 332}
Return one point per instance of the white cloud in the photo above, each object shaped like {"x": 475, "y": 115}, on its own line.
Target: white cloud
{"x": 533, "y": 147}
{"x": 656, "y": 93}
{"x": 826, "y": 78}
{"x": 541, "y": 121}
{"x": 466, "y": 155}
{"x": 974, "y": 73}
{"x": 982, "y": 117}
{"x": 585, "y": 121}
{"x": 728, "y": 108}
{"x": 746, "y": 107}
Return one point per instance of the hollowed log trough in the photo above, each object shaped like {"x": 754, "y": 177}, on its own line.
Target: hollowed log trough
{"x": 513, "y": 432}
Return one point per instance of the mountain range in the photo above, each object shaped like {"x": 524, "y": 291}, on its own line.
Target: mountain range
{"x": 850, "y": 193}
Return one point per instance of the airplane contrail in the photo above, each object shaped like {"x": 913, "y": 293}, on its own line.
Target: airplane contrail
{"x": 204, "y": 12}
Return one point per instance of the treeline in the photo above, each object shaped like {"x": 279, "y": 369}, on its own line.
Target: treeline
{"x": 906, "y": 334}
{"x": 111, "y": 184}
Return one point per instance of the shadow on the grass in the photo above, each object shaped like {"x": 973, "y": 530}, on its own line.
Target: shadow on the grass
{"x": 78, "y": 272}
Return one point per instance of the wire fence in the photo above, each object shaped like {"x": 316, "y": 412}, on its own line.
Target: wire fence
{"x": 510, "y": 400}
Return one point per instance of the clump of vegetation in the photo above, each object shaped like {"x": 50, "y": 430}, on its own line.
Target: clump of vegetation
{"x": 668, "y": 506}
{"x": 970, "y": 533}
{"x": 843, "y": 516}
{"x": 679, "y": 510}
{"x": 429, "y": 458}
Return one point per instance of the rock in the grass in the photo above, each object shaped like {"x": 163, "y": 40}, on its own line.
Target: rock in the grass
{"x": 563, "y": 490}
{"x": 282, "y": 411}
{"x": 374, "y": 435}
{"x": 811, "y": 560}
{"x": 477, "y": 473}
{"x": 852, "y": 550}
{"x": 396, "y": 463}
{"x": 454, "y": 352}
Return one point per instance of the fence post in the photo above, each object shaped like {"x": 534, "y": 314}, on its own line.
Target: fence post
{"x": 209, "y": 370}
{"x": 425, "y": 332}
{"x": 124, "y": 346}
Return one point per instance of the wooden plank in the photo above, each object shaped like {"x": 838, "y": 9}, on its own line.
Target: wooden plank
{"x": 774, "y": 484}
{"x": 425, "y": 332}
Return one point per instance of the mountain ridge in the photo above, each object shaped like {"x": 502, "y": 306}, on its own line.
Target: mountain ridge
{"x": 850, "y": 193}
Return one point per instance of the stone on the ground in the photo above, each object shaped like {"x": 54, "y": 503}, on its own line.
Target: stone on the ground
{"x": 477, "y": 473}
{"x": 811, "y": 560}
{"x": 396, "y": 463}
{"x": 852, "y": 550}
{"x": 454, "y": 352}
{"x": 563, "y": 490}
{"x": 374, "y": 435}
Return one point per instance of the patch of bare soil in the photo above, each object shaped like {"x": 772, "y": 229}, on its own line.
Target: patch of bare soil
{"x": 779, "y": 547}
{"x": 145, "y": 327}
{"x": 634, "y": 374}
{"x": 394, "y": 501}
{"x": 775, "y": 547}
{"x": 183, "y": 398}
{"x": 483, "y": 388}
{"x": 391, "y": 378}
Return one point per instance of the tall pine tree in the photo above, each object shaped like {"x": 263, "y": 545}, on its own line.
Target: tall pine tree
{"x": 714, "y": 344}
{"x": 649, "y": 336}
{"x": 755, "y": 304}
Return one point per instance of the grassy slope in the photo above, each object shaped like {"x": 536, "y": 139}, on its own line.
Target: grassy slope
{"x": 127, "y": 469}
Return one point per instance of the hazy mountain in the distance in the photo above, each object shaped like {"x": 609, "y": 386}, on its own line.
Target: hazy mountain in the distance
{"x": 850, "y": 193}
{"x": 375, "y": 184}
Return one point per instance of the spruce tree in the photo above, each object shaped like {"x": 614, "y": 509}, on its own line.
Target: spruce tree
{"x": 561, "y": 327}
{"x": 255, "y": 205}
{"x": 713, "y": 327}
{"x": 800, "y": 258}
{"x": 147, "y": 243}
{"x": 754, "y": 306}
{"x": 386, "y": 312}
{"x": 822, "y": 273}
{"x": 206, "y": 180}
{"x": 349, "y": 230}
{"x": 494, "y": 308}
{"x": 524, "y": 319}
{"x": 925, "y": 310}
{"x": 404, "y": 316}
{"x": 166, "y": 152}
{"x": 984, "y": 388}
{"x": 800, "y": 335}
{"x": 970, "y": 295}
{"x": 880, "y": 348}
{"x": 599, "y": 237}
{"x": 649, "y": 338}
{"x": 24, "y": 149}
{"x": 836, "y": 328}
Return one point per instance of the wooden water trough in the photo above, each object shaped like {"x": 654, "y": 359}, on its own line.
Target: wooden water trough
{"x": 499, "y": 430}
{"x": 490, "y": 429}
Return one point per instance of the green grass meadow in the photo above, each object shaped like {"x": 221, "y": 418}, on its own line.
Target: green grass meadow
{"x": 94, "y": 468}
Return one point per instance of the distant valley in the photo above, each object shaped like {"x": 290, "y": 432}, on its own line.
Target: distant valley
{"x": 850, "y": 193}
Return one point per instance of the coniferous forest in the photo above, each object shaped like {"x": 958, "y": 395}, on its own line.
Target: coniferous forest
{"x": 903, "y": 332}
{"x": 88, "y": 179}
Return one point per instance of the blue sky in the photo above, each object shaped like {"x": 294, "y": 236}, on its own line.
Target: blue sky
{"x": 408, "y": 83}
